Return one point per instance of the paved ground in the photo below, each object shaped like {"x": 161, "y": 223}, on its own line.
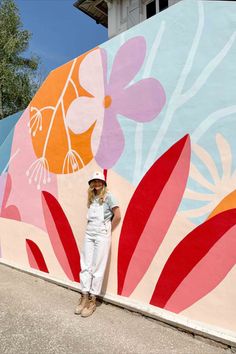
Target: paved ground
{"x": 37, "y": 317}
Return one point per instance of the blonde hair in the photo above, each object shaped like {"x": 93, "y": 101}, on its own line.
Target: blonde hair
{"x": 92, "y": 195}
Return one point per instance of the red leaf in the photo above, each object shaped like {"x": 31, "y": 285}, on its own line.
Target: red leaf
{"x": 35, "y": 256}
{"x": 198, "y": 263}
{"x": 61, "y": 236}
{"x": 150, "y": 213}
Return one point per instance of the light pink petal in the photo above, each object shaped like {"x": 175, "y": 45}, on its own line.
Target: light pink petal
{"x": 111, "y": 142}
{"x": 127, "y": 63}
{"x": 82, "y": 113}
{"x": 91, "y": 74}
{"x": 142, "y": 101}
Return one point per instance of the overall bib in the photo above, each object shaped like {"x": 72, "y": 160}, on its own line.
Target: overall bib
{"x": 95, "y": 251}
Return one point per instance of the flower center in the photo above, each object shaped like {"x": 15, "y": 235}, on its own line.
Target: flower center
{"x": 107, "y": 101}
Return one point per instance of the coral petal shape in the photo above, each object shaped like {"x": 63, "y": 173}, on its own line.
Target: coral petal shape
{"x": 61, "y": 236}
{"x": 198, "y": 263}
{"x": 150, "y": 213}
{"x": 35, "y": 256}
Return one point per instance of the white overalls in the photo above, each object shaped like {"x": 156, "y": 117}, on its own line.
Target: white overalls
{"x": 95, "y": 251}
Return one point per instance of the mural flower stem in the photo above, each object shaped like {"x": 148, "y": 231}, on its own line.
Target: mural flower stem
{"x": 36, "y": 121}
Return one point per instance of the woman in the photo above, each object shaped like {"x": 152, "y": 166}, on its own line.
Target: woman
{"x": 103, "y": 217}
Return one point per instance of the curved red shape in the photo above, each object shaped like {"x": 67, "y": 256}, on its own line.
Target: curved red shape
{"x": 61, "y": 236}
{"x": 185, "y": 264}
{"x": 105, "y": 174}
{"x": 35, "y": 256}
{"x": 150, "y": 213}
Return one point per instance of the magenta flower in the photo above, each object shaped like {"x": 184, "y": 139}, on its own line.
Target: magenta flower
{"x": 141, "y": 101}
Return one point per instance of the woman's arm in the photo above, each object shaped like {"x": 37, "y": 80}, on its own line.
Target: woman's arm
{"x": 116, "y": 218}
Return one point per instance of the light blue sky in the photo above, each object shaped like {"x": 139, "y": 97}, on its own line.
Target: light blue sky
{"x": 60, "y": 32}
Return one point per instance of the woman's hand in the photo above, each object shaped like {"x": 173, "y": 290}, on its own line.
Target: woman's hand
{"x": 116, "y": 218}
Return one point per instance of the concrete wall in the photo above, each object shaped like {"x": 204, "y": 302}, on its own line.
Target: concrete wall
{"x": 155, "y": 108}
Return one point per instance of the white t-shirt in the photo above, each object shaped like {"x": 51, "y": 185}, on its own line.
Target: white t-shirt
{"x": 109, "y": 203}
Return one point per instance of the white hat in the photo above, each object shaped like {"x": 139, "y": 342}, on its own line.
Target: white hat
{"x": 97, "y": 175}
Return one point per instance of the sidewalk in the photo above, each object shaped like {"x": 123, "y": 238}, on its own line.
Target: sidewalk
{"x": 37, "y": 317}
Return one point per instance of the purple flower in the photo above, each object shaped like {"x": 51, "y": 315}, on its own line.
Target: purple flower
{"x": 141, "y": 101}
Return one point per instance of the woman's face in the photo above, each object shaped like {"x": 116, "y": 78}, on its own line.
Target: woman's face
{"x": 97, "y": 184}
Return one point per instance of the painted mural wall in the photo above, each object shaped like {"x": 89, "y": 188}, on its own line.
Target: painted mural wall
{"x": 155, "y": 108}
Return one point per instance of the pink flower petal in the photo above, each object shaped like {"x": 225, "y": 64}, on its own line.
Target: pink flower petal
{"x": 111, "y": 143}
{"x": 91, "y": 74}
{"x": 82, "y": 113}
{"x": 142, "y": 101}
{"x": 127, "y": 63}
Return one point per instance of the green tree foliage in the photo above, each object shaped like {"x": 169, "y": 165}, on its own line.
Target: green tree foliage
{"x": 18, "y": 75}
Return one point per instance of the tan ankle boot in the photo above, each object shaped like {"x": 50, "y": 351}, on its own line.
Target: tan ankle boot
{"x": 82, "y": 303}
{"x": 90, "y": 306}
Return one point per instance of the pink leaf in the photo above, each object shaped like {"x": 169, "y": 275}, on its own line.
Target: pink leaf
{"x": 10, "y": 211}
{"x": 150, "y": 213}
{"x": 198, "y": 263}
{"x": 61, "y": 236}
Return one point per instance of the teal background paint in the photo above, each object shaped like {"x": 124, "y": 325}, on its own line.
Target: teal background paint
{"x": 7, "y": 126}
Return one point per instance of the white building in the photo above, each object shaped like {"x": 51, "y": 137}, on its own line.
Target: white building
{"x": 120, "y": 15}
